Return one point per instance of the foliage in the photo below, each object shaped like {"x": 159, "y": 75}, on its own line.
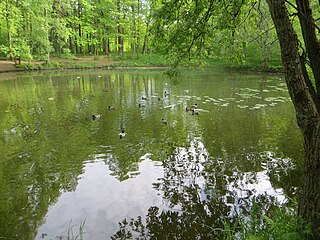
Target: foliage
{"x": 66, "y": 54}
{"x": 126, "y": 60}
{"x": 223, "y": 30}
{"x": 277, "y": 223}
{"x": 191, "y": 33}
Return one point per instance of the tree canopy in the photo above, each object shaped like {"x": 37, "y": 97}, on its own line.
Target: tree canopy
{"x": 184, "y": 31}
{"x": 236, "y": 31}
{"x": 191, "y": 28}
{"x": 35, "y": 29}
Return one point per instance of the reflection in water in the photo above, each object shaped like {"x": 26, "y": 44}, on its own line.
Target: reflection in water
{"x": 60, "y": 169}
{"x": 102, "y": 201}
{"x": 195, "y": 206}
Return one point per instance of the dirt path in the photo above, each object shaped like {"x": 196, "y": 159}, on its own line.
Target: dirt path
{"x": 9, "y": 66}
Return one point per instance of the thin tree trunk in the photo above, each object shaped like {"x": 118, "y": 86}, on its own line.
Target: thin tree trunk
{"x": 145, "y": 41}
{"x": 120, "y": 29}
{"x": 138, "y": 33}
{"x": 107, "y": 47}
{"x": 47, "y": 37}
{"x": 79, "y": 28}
{"x": 108, "y": 50}
{"x": 302, "y": 94}
{"x": 120, "y": 41}
{"x": 9, "y": 30}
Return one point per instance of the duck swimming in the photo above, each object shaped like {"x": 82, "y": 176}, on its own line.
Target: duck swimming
{"x": 194, "y": 106}
{"x": 122, "y": 134}
{"x": 95, "y": 116}
{"x": 194, "y": 112}
{"x": 111, "y": 108}
{"x": 164, "y": 121}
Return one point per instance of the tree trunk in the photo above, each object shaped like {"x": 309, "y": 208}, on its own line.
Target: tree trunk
{"x": 47, "y": 36}
{"x": 79, "y": 28}
{"x": 107, "y": 47}
{"x": 145, "y": 41}
{"x": 303, "y": 96}
{"x": 9, "y": 30}
{"x": 120, "y": 41}
{"x": 309, "y": 205}
{"x": 138, "y": 33}
{"x": 307, "y": 24}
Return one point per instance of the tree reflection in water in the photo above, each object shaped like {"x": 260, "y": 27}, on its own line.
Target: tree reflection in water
{"x": 199, "y": 203}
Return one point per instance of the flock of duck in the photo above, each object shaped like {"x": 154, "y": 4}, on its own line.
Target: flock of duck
{"x": 192, "y": 109}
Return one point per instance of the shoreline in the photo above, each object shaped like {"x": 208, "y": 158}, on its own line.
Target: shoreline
{"x": 7, "y": 66}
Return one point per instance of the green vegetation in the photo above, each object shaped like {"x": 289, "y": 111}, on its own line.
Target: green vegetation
{"x": 136, "y": 33}
{"x": 278, "y": 223}
{"x": 239, "y": 34}
{"x": 153, "y": 60}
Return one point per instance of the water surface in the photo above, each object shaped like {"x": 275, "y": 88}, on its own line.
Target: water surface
{"x": 174, "y": 173}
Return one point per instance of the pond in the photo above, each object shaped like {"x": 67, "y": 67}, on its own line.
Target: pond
{"x": 197, "y": 150}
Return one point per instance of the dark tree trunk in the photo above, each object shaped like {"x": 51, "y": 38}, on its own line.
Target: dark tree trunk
{"x": 305, "y": 100}
{"x": 144, "y": 47}
{"x": 145, "y": 41}
{"x": 120, "y": 41}
{"x": 307, "y": 24}
{"x": 107, "y": 47}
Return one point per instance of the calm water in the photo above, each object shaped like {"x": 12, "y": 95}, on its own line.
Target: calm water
{"x": 63, "y": 172}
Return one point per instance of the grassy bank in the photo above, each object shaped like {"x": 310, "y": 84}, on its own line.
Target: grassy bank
{"x": 128, "y": 60}
{"x": 90, "y": 62}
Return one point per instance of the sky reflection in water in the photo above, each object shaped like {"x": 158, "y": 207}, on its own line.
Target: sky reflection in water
{"x": 205, "y": 167}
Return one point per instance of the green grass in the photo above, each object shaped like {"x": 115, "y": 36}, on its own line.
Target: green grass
{"x": 75, "y": 232}
{"x": 148, "y": 60}
{"x": 252, "y": 62}
{"x": 280, "y": 222}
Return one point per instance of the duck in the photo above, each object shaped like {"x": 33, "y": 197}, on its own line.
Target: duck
{"x": 111, "y": 108}
{"x": 141, "y": 105}
{"x": 194, "y": 112}
{"x": 122, "y": 134}
{"x": 166, "y": 94}
{"x": 188, "y": 109}
{"x": 95, "y": 116}
{"x": 143, "y": 98}
{"x": 164, "y": 121}
{"x": 194, "y": 106}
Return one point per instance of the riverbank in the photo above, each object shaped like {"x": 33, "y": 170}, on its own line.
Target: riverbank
{"x": 144, "y": 62}
{"x": 85, "y": 63}
{"x": 55, "y": 63}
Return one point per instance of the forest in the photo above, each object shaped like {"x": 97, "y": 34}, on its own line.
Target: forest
{"x": 240, "y": 33}
{"x": 243, "y": 33}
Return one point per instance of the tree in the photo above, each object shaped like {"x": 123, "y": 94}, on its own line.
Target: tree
{"x": 304, "y": 95}
{"x": 186, "y": 28}
{"x": 9, "y": 28}
{"x": 10, "y": 14}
